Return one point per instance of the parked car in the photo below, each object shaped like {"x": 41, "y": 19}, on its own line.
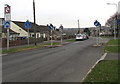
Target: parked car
{"x": 86, "y": 36}
{"x": 80, "y": 37}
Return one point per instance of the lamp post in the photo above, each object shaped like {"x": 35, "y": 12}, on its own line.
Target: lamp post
{"x": 115, "y": 21}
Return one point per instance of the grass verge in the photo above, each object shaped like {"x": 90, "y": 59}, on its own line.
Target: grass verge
{"x": 113, "y": 46}
{"x": 112, "y": 49}
{"x": 70, "y": 40}
{"x": 12, "y": 50}
{"x": 114, "y": 42}
{"x": 54, "y": 43}
{"x": 104, "y": 71}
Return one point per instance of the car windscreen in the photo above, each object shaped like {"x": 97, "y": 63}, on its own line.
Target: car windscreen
{"x": 78, "y": 35}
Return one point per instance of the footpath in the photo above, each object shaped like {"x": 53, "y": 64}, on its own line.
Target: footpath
{"x": 112, "y": 56}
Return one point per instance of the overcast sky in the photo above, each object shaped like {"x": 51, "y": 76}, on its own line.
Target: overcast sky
{"x": 65, "y": 12}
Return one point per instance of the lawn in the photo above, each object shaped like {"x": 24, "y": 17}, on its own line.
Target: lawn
{"x": 114, "y": 42}
{"x": 113, "y": 46}
{"x": 104, "y": 71}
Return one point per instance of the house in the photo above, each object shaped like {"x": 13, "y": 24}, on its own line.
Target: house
{"x": 3, "y": 31}
{"x": 41, "y": 30}
{"x": 18, "y": 33}
{"x": 17, "y": 29}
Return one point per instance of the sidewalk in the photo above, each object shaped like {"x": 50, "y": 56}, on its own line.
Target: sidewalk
{"x": 112, "y": 56}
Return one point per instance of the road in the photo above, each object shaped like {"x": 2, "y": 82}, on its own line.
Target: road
{"x": 68, "y": 63}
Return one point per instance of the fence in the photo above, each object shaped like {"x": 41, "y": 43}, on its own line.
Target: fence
{"x": 20, "y": 42}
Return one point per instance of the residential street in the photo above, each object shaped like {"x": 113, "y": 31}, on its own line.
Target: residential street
{"x": 68, "y": 63}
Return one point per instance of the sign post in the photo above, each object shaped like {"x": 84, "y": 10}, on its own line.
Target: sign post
{"x": 61, "y": 28}
{"x": 51, "y": 27}
{"x": 97, "y": 24}
{"x": 28, "y": 25}
{"x": 7, "y": 16}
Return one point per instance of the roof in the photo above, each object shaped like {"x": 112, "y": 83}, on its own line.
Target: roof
{"x": 39, "y": 28}
{"x": 4, "y": 30}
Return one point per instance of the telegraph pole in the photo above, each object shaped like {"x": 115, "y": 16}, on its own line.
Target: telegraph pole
{"x": 78, "y": 27}
{"x": 34, "y": 22}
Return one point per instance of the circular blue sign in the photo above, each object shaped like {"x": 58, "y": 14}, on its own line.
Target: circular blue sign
{"x": 96, "y": 23}
{"x": 7, "y": 24}
{"x": 28, "y": 25}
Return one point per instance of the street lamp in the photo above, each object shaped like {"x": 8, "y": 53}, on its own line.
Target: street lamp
{"x": 116, "y": 18}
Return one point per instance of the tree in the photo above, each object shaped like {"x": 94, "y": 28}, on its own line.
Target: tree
{"x": 87, "y": 31}
{"x": 112, "y": 22}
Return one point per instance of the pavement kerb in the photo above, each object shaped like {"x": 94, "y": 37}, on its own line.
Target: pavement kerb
{"x": 102, "y": 58}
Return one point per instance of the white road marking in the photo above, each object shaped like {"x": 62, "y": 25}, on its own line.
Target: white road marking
{"x": 2, "y": 54}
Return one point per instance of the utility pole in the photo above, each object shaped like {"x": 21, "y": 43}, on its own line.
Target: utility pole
{"x": 34, "y": 22}
{"x": 78, "y": 27}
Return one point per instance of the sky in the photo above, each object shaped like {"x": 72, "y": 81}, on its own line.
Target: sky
{"x": 65, "y": 12}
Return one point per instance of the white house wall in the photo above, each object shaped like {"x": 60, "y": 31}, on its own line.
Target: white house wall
{"x": 18, "y": 29}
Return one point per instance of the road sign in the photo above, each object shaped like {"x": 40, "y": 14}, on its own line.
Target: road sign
{"x": 61, "y": 27}
{"x": 7, "y": 12}
{"x": 51, "y": 27}
{"x": 7, "y": 16}
{"x": 7, "y": 9}
{"x": 96, "y": 23}
{"x": 28, "y": 25}
{"x": 7, "y": 24}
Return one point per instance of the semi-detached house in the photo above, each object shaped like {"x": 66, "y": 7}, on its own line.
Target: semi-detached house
{"x": 41, "y": 30}
{"x": 17, "y": 29}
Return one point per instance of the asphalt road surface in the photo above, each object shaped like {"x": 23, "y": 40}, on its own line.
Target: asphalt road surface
{"x": 68, "y": 63}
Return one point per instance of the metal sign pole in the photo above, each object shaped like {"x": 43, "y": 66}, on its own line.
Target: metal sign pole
{"x": 28, "y": 26}
{"x": 97, "y": 24}
{"x": 97, "y": 36}
{"x": 28, "y": 37}
{"x": 61, "y": 37}
{"x": 51, "y": 39}
{"x": 7, "y": 38}
{"x": 61, "y": 29}
{"x": 7, "y": 16}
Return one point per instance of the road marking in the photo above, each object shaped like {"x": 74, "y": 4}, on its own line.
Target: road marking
{"x": 2, "y": 54}
{"x": 102, "y": 58}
